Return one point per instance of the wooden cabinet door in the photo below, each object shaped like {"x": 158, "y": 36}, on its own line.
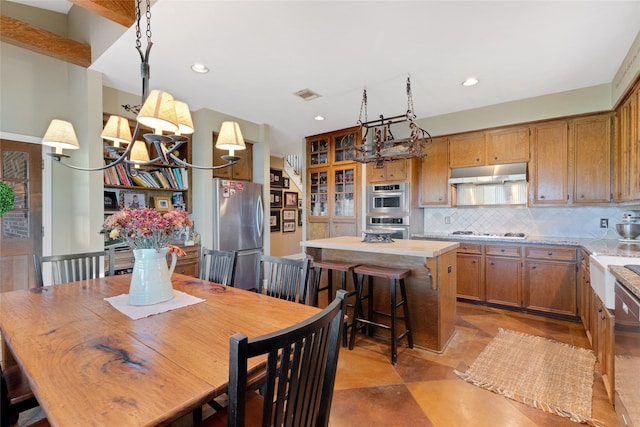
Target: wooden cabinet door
{"x": 434, "y": 174}
{"x": 503, "y": 281}
{"x": 591, "y": 143}
{"x": 469, "y": 277}
{"x": 508, "y": 145}
{"x": 394, "y": 170}
{"x": 375, "y": 174}
{"x": 243, "y": 170}
{"x": 467, "y": 150}
{"x": 627, "y": 150}
{"x": 605, "y": 350}
{"x": 585, "y": 288}
{"x": 550, "y": 286}
{"x": 548, "y": 166}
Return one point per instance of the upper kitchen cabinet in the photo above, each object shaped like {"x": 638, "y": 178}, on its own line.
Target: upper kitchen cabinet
{"x": 627, "y": 149}
{"x": 548, "y": 165}
{"x": 392, "y": 171}
{"x": 241, "y": 171}
{"x": 508, "y": 145}
{"x": 467, "y": 149}
{"x": 333, "y": 182}
{"x": 434, "y": 175}
{"x": 590, "y": 144}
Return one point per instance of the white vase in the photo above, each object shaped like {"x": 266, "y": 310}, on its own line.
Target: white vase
{"x": 151, "y": 279}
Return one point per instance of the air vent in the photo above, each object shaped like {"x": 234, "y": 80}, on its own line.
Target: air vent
{"x": 307, "y": 94}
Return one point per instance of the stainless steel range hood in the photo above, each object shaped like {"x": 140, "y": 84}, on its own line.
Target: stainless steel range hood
{"x": 493, "y": 174}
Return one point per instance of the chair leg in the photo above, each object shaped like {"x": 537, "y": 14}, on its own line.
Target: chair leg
{"x": 357, "y": 311}
{"x": 407, "y": 320}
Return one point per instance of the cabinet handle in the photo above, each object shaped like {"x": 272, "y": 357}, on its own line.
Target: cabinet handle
{"x": 502, "y": 250}
{"x": 550, "y": 253}
{"x": 491, "y": 263}
{"x": 473, "y": 262}
{"x": 542, "y": 196}
{"x": 495, "y": 157}
{"x": 533, "y": 267}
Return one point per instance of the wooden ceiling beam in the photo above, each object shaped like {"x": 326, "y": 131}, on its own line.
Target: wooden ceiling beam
{"x": 121, "y": 11}
{"x": 27, "y": 36}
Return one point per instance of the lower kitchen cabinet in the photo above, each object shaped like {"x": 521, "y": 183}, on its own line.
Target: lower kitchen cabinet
{"x": 470, "y": 272}
{"x": 602, "y": 324}
{"x": 584, "y": 307}
{"x": 503, "y": 271}
{"x": 551, "y": 280}
{"x": 188, "y": 264}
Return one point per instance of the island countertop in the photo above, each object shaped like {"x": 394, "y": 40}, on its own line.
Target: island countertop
{"x": 420, "y": 248}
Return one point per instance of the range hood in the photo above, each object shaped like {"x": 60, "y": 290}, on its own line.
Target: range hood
{"x": 493, "y": 174}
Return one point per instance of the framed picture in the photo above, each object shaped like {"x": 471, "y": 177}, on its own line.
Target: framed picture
{"x": 289, "y": 215}
{"x": 275, "y": 198}
{"x": 299, "y": 217}
{"x": 163, "y": 204}
{"x": 288, "y": 226}
{"x": 110, "y": 201}
{"x": 275, "y": 178}
{"x": 177, "y": 201}
{"x": 134, "y": 200}
{"x": 285, "y": 182}
{"x": 290, "y": 199}
{"x": 274, "y": 220}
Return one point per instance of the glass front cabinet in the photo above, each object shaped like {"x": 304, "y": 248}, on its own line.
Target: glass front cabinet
{"x": 332, "y": 185}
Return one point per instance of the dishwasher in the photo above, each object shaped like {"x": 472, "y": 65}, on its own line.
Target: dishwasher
{"x": 627, "y": 355}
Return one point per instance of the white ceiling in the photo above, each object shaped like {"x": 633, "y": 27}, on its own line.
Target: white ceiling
{"x": 261, "y": 52}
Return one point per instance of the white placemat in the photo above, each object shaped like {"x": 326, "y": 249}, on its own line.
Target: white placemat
{"x": 180, "y": 299}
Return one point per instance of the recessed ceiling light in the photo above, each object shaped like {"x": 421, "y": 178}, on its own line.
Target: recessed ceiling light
{"x": 318, "y": 118}
{"x": 471, "y": 81}
{"x": 199, "y": 68}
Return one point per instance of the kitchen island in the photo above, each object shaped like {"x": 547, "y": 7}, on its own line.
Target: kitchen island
{"x": 431, "y": 287}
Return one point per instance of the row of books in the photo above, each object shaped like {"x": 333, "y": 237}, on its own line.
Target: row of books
{"x": 172, "y": 178}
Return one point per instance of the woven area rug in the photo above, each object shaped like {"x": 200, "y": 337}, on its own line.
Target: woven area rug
{"x": 539, "y": 372}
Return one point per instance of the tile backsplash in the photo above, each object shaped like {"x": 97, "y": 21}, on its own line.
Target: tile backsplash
{"x": 577, "y": 222}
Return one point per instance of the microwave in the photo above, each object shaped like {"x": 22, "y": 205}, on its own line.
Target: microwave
{"x": 388, "y": 199}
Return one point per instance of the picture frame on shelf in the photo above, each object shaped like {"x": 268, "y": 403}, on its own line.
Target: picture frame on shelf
{"x": 275, "y": 178}
{"x": 288, "y": 226}
{"x": 288, "y": 214}
{"x": 177, "y": 201}
{"x": 274, "y": 220}
{"x": 111, "y": 201}
{"x": 275, "y": 198}
{"x": 134, "y": 200}
{"x": 290, "y": 199}
{"x": 285, "y": 182}
{"x": 162, "y": 204}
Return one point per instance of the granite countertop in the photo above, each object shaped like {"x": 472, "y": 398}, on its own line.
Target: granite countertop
{"x": 420, "y": 248}
{"x": 611, "y": 247}
{"x": 628, "y": 278}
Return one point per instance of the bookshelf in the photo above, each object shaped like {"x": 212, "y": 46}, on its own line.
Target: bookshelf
{"x": 147, "y": 183}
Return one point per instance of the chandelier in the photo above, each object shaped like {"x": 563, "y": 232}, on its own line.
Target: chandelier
{"x": 378, "y": 143}
{"x": 160, "y": 112}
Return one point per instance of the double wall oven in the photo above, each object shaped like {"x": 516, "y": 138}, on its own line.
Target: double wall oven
{"x": 388, "y": 208}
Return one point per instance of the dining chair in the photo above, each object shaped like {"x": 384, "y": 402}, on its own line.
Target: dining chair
{"x": 301, "y": 369}
{"x": 16, "y": 396}
{"x": 284, "y": 278}
{"x": 73, "y": 267}
{"x": 218, "y": 266}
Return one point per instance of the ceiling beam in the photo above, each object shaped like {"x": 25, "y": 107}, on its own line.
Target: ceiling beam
{"x": 27, "y": 36}
{"x": 121, "y": 11}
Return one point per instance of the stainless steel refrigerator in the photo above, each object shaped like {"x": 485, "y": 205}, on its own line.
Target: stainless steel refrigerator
{"x": 238, "y": 219}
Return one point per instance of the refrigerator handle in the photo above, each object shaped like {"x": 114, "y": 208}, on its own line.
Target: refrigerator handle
{"x": 259, "y": 216}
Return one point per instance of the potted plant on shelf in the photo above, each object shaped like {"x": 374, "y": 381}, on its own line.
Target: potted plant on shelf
{"x": 148, "y": 233}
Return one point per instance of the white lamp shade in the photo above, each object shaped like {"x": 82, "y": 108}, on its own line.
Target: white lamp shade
{"x": 60, "y": 134}
{"x": 139, "y": 152}
{"x": 159, "y": 112}
{"x": 185, "y": 124}
{"x": 117, "y": 130}
{"x": 230, "y": 137}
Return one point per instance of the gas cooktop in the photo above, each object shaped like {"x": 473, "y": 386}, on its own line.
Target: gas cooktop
{"x": 479, "y": 235}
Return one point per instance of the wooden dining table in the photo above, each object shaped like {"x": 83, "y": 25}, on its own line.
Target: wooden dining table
{"x": 90, "y": 365}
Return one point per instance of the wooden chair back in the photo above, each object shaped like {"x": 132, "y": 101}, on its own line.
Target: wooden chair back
{"x": 300, "y": 370}
{"x": 284, "y": 278}
{"x": 218, "y": 266}
{"x": 73, "y": 267}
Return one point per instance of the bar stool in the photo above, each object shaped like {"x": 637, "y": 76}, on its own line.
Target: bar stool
{"x": 329, "y": 266}
{"x": 396, "y": 277}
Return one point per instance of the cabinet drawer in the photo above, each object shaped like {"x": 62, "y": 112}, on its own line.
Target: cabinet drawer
{"x": 188, "y": 268}
{"x": 502, "y": 250}
{"x": 470, "y": 248}
{"x": 560, "y": 254}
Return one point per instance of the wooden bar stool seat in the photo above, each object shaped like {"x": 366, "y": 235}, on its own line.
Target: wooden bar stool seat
{"x": 396, "y": 277}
